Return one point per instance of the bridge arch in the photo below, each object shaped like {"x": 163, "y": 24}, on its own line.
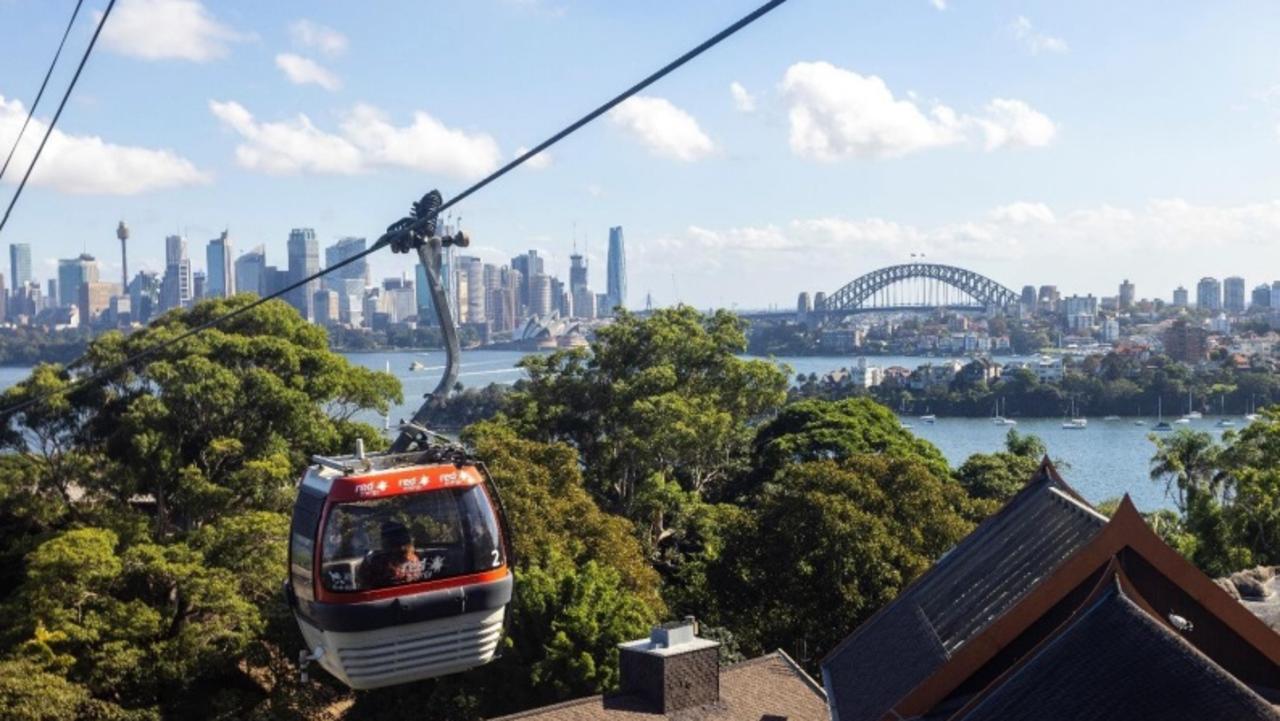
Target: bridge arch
{"x": 982, "y": 290}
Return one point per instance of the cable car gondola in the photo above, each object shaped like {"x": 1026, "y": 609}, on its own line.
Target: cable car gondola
{"x": 400, "y": 562}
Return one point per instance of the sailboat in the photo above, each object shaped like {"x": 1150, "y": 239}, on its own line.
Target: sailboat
{"x": 1075, "y": 423}
{"x": 1190, "y": 413}
{"x": 1161, "y": 425}
{"x": 1224, "y": 422}
{"x": 1252, "y": 415}
{"x": 999, "y": 419}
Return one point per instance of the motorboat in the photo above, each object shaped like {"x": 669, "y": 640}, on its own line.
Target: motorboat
{"x": 928, "y": 418}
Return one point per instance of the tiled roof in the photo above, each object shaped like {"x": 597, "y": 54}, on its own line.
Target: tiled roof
{"x": 771, "y": 686}
{"x": 971, "y": 585}
{"x": 1114, "y": 661}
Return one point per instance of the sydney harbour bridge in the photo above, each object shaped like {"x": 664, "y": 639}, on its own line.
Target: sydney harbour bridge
{"x": 908, "y": 287}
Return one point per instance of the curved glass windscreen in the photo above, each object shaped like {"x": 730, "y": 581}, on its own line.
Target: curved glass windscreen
{"x": 409, "y": 538}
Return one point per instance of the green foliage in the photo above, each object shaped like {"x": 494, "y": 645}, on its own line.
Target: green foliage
{"x": 148, "y": 531}
{"x": 818, "y": 554}
{"x": 996, "y": 477}
{"x": 552, "y": 515}
{"x": 660, "y": 413}
{"x": 1187, "y": 462}
{"x": 1251, "y": 465}
{"x": 140, "y": 624}
{"x": 29, "y": 692}
{"x": 28, "y": 345}
{"x": 815, "y": 430}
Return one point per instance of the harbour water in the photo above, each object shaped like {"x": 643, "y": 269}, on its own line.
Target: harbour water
{"x": 1106, "y": 460}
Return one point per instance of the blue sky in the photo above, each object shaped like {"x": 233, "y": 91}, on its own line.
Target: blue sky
{"x": 1069, "y": 143}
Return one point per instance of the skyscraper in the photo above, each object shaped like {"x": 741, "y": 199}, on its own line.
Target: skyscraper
{"x": 352, "y": 278}
{"x": 540, "y": 300}
{"x": 73, "y": 273}
{"x": 177, "y": 287}
{"x": 1233, "y": 294}
{"x": 1126, "y": 295}
{"x": 250, "y": 269}
{"x": 617, "y": 266}
{"x": 1261, "y": 296}
{"x": 1209, "y": 294}
{"x": 221, "y": 280}
{"x": 528, "y": 265}
{"x": 304, "y": 260}
{"x": 577, "y": 273}
{"x": 1181, "y": 297}
{"x": 1029, "y": 298}
{"x": 475, "y": 288}
{"x": 19, "y": 264}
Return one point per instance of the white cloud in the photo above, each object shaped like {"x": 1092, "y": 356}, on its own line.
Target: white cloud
{"x": 938, "y": 4}
{"x": 308, "y": 34}
{"x": 1022, "y": 212}
{"x": 167, "y": 29}
{"x": 1014, "y": 124}
{"x": 1018, "y": 243}
{"x": 667, "y": 130}
{"x": 742, "y": 100}
{"x": 287, "y": 147}
{"x": 426, "y": 144}
{"x": 366, "y": 140}
{"x": 88, "y": 164}
{"x": 1277, "y": 131}
{"x": 838, "y": 114}
{"x": 538, "y": 162}
{"x": 304, "y": 71}
{"x": 1035, "y": 42}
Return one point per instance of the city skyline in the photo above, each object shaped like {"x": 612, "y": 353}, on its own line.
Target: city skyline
{"x": 1232, "y": 293}
{"x": 1000, "y": 174}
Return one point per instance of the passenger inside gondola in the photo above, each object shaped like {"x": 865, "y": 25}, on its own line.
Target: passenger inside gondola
{"x": 405, "y": 539}
{"x": 397, "y": 562}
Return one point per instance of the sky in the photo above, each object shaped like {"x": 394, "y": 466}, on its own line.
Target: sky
{"x": 1076, "y": 144}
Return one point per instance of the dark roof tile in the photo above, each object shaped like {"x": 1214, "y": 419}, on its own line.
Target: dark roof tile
{"x": 970, "y": 586}
{"x": 1114, "y": 661}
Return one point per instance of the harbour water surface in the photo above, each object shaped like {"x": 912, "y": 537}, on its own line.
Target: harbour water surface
{"x": 1106, "y": 460}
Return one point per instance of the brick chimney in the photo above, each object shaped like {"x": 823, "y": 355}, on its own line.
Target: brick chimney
{"x": 673, "y": 669}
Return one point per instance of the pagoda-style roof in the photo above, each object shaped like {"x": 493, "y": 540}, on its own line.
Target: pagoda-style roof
{"x": 1216, "y": 635}
{"x": 972, "y": 585}
{"x": 1114, "y": 660}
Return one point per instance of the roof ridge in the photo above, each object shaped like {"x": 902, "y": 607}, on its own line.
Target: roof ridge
{"x": 799, "y": 671}
{"x": 1111, "y": 588}
{"x": 1033, "y": 486}
{"x": 1125, "y": 530}
{"x": 550, "y": 707}
{"x": 1089, "y": 510}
